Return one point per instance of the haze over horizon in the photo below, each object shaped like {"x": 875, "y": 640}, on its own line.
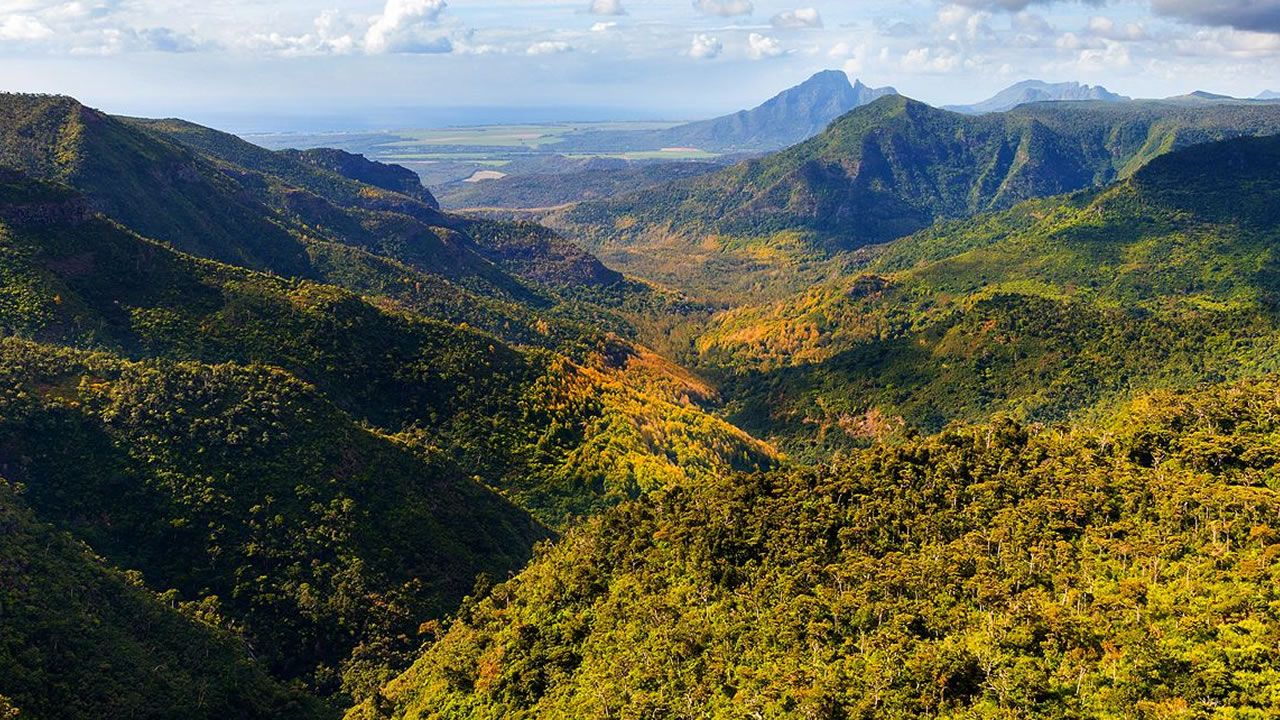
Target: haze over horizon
{"x": 354, "y": 64}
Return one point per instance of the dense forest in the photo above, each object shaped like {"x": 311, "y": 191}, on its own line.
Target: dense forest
{"x": 931, "y": 415}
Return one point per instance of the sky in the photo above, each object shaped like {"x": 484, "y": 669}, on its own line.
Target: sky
{"x": 268, "y": 65}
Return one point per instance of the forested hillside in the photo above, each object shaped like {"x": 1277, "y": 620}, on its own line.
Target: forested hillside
{"x": 1000, "y": 570}
{"x": 80, "y": 639}
{"x": 327, "y": 474}
{"x": 1167, "y": 279}
{"x": 929, "y": 416}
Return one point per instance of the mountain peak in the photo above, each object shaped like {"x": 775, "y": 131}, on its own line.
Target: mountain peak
{"x": 1268, "y": 95}
{"x": 1029, "y": 91}
{"x": 834, "y": 77}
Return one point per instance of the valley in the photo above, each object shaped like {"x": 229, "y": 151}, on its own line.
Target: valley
{"x": 843, "y": 406}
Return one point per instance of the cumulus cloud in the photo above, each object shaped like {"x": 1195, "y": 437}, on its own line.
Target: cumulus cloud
{"x": 1226, "y": 42}
{"x": 404, "y": 26}
{"x": 24, "y": 27}
{"x": 1014, "y": 6}
{"x": 606, "y": 7}
{"x": 549, "y": 47}
{"x": 724, "y": 8}
{"x": 760, "y": 47}
{"x": 1105, "y": 27}
{"x": 798, "y": 18}
{"x": 112, "y": 41}
{"x": 1253, "y": 15}
{"x": 964, "y": 23}
{"x": 332, "y": 34}
{"x": 926, "y": 60}
{"x": 705, "y": 47}
{"x": 603, "y": 27}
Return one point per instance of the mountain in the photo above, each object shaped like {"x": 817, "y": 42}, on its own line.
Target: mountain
{"x": 213, "y": 195}
{"x": 793, "y": 115}
{"x": 82, "y": 639}
{"x": 1064, "y": 573}
{"x": 1165, "y": 279}
{"x": 1031, "y": 91}
{"x": 359, "y": 168}
{"x": 331, "y": 472}
{"x": 1202, "y": 96}
{"x": 1269, "y": 95}
{"x": 881, "y": 172}
{"x": 1099, "y": 372}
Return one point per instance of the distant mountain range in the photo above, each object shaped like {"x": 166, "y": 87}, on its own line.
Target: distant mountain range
{"x": 1268, "y": 95}
{"x": 889, "y": 169}
{"x": 792, "y": 116}
{"x": 1029, "y": 91}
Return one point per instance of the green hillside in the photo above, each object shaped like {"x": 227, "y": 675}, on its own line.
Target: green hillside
{"x": 80, "y": 639}
{"x": 934, "y": 416}
{"x": 325, "y": 543}
{"x": 990, "y": 571}
{"x": 332, "y": 470}
{"x": 881, "y": 172}
{"x": 1168, "y": 278}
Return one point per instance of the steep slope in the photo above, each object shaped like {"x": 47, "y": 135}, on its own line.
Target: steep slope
{"x": 1166, "y": 279}
{"x": 791, "y": 116}
{"x": 989, "y": 571}
{"x": 84, "y": 281}
{"x": 81, "y": 640}
{"x": 315, "y": 461}
{"x": 361, "y": 169}
{"x": 159, "y": 188}
{"x": 325, "y": 543}
{"x": 284, "y": 213}
{"x": 1030, "y": 91}
{"x": 884, "y": 171}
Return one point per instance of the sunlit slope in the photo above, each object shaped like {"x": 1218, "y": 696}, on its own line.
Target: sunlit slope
{"x": 1118, "y": 570}
{"x": 1168, "y": 278}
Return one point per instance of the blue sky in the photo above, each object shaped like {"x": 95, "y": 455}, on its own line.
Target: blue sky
{"x": 260, "y": 64}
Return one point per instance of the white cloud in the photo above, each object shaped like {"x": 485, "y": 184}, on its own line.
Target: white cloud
{"x": 799, "y": 18}
{"x": 24, "y": 27}
{"x": 1225, "y": 42}
{"x": 724, "y": 8}
{"x": 113, "y": 41}
{"x": 1031, "y": 23}
{"x": 760, "y": 47}
{"x": 603, "y": 27}
{"x": 705, "y": 47}
{"x": 1111, "y": 56}
{"x": 962, "y": 23}
{"x": 1105, "y": 27}
{"x": 404, "y": 25}
{"x": 853, "y": 57}
{"x": 606, "y": 7}
{"x": 549, "y": 47}
{"x": 931, "y": 61}
{"x": 332, "y": 34}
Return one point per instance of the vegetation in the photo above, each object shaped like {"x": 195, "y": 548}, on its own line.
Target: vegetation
{"x": 991, "y": 571}
{"x": 326, "y": 471}
{"x": 279, "y": 437}
{"x": 80, "y": 639}
{"x": 1164, "y": 280}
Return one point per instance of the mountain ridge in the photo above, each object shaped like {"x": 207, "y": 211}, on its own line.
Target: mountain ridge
{"x": 1029, "y": 91}
{"x": 884, "y": 171}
